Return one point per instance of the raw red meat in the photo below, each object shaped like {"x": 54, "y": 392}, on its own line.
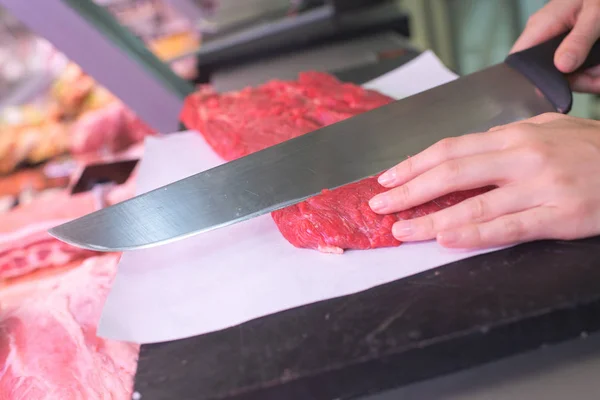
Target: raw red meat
{"x": 51, "y": 296}
{"x": 342, "y": 219}
{"x": 48, "y": 343}
{"x": 239, "y": 123}
{"x": 134, "y": 128}
{"x": 25, "y": 245}
{"x": 97, "y": 129}
{"x": 34, "y": 249}
{"x": 113, "y": 128}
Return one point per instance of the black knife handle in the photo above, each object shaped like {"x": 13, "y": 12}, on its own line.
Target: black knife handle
{"x": 537, "y": 65}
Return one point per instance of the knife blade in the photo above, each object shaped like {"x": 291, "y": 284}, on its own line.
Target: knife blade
{"x": 525, "y": 85}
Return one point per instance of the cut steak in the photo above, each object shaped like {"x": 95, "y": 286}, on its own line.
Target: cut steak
{"x": 239, "y": 123}
{"x": 341, "y": 219}
{"x": 48, "y": 343}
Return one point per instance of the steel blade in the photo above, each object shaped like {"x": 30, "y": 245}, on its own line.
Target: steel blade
{"x": 290, "y": 172}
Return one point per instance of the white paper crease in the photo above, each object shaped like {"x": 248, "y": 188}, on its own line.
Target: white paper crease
{"x": 222, "y": 278}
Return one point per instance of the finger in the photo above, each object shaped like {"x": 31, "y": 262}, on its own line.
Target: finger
{"x": 573, "y": 51}
{"x": 477, "y": 209}
{"x": 586, "y": 82}
{"x": 452, "y": 148}
{"x": 593, "y": 72}
{"x": 451, "y": 176}
{"x": 444, "y": 150}
{"x": 548, "y": 22}
{"x": 533, "y": 224}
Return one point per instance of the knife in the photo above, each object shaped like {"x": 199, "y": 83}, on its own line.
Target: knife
{"x": 524, "y": 85}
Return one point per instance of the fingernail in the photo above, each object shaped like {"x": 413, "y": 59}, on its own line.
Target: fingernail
{"x": 402, "y": 229}
{"x": 567, "y": 61}
{"x": 387, "y": 177}
{"x": 378, "y": 203}
{"x": 449, "y": 237}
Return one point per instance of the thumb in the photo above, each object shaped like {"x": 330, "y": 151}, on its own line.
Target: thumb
{"x": 575, "y": 48}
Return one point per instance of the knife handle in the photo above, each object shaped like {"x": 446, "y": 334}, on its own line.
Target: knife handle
{"x": 537, "y": 65}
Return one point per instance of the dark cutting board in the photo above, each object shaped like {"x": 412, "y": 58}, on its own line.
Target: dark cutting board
{"x": 443, "y": 320}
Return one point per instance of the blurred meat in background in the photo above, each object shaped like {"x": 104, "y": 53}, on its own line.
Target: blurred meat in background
{"x": 71, "y": 119}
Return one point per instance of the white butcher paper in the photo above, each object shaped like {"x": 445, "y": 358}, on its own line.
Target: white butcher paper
{"x": 225, "y": 277}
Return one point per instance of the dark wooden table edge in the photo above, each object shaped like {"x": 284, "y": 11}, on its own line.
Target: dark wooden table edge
{"x": 443, "y": 357}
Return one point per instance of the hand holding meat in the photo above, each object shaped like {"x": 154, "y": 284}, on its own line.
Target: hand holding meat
{"x": 558, "y": 16}
{"x": 546, "y": 177}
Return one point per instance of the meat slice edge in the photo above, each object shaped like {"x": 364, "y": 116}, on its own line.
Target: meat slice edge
{"x": 341, "y": 219}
